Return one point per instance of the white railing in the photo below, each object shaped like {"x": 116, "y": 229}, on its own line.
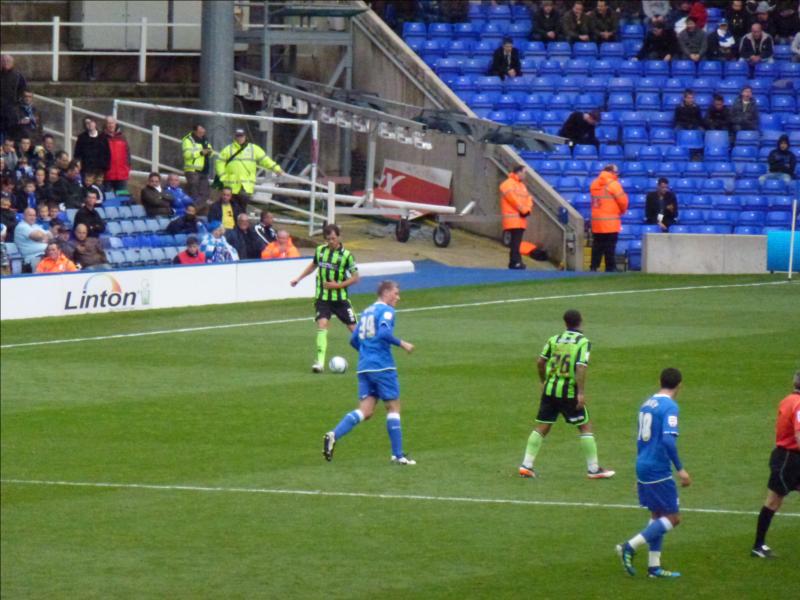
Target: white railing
{"x": 56, "y": 52}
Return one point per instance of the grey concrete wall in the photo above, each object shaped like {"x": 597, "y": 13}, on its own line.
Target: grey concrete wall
{"x": 700, "y": 254}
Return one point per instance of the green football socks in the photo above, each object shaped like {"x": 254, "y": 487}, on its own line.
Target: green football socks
{"x": 589, "y": 447}
{"x": 322, "y": 345}
{"x": 532, "y": 449}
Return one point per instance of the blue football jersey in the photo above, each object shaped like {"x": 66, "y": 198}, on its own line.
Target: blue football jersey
{"x": 374, "y": 333}
{"x": 658, "y": 417}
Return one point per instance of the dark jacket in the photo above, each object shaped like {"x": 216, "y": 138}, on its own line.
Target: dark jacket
{"x": 666, "y": 205}
{"x": 600, "y": 23}
{"x": 92, "y": 219}
{"x": 502, "y": 65}
{"x": 267, "y": 234}
{"x": 21, "y": 201}
{"x": 719, "y": 120}
{"x": 69, "y": 192}
{"x": 32, "y": 129}
{"x": 717, "y": 52}
{"x": 782, "y": 161}
{"x": 658, "y": 46}
{"x": 543, "y": 23}
{"x": 744, "y": 118}
{"x": 156, "y": 204}
{"x": 92, "y": 152}
{"x": 572, "y": 29}
{"x": 88, "y": 253}
{"x": 12, "y": 85}
{"x": 738, "y": 22}
{"x": 578, "y": 130}
{"x": 693, "y": 42}
{"x": 215, "y": 212}
{"x": 749, "y": 47}
{"x": 183, "y": 225}
{"x": 247, "y": 243}
{"x": 8, "y": 218}
{"x": 688, "y": 117}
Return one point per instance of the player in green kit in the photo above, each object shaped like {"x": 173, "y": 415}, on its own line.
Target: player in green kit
{"x": 562, "y": 370}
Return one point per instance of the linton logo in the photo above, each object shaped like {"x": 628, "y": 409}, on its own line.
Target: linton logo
{"x": 104, "y": 291}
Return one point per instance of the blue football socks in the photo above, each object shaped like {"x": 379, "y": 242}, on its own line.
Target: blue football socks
{"x": 395, "y": 433}
{"x": 347, "y": 423}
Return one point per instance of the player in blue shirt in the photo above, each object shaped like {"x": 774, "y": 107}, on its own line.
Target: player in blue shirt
{"x": 657, "y": 452}
{"x": 374, "y": 337}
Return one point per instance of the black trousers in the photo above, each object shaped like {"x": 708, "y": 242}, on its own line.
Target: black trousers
{"x": 514, "y": 257}
{"x": 604, "y": 245}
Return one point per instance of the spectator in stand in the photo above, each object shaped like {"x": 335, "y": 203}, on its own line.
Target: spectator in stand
{"x": 699, "y": 13}
{"x": 68, "y": 189}
{"x": 603, "y": 23}
{"x": 756, "y": 46}
{"x": 24, "y": 170}
{"x": 62, "y": 162}
{"x": 187, "y": 223}
{"x": 242, "y": 237}
{"x": 264, "y": 228}
{"x": 191, "y": 255}
{"x": 43, "y": 216}
{"x": 26, "y": 148}
{"x": 579, "y": 127}
{"x": 660, "y": 43}
{"x": 89, "y": 216}
{"x": 738, "y": 19}
{"x": 546, "y": 23}
{"x": 31, "y": 240}
{"x": 12, "y": 86}
{"x": 29, "y": 123}
{"x": 5, "y": 262}
{"x": 687, "y": 114}
{"x": 282, "y": 247}
{"x": 6, "y": 173}
{"x": 744, "y": 112}
{"x": 54, "y": 261}
{"x": 692, "y": 41}
{"x": 60, "y": 230}
{"x": 609, "y": 203}
{"x": 8, "y": 214}
{"x": 197, "y": 153}
{"x": 156, "y": 202}
{"x": 47, "y": 151}
{"x": 655, "y": 9}
{"x": 119, "y": 156}
{"x": 237, "y": 164}
{"x": 575, "y": 24}
{"x": 40, "y": 179}
{"x": 26, "y": 197}
{"x": 8, "y": 186}
{"x": 721, "y": 45}
{"x": 796, "y": 48}
{"x": 50, "y": 191}
{"x": 9, "y": 155}
{"x": 215, "y": 247}
{"x": 764, "y": 18}
{"x": 718, "y": 117}
{"x": 225, "y": 210}
{"x": 506, "y": 61}
{"x": 782, "y": 162}
{"x": 677, "y": 17}
{"x": 91, "y": 148}
{"x": 180, "y": 199}
{"x": 661, "y": 206}
{"x": 90, "y": 183}
{"x": 786, "y": 20}
{"x": 88, "y": 254}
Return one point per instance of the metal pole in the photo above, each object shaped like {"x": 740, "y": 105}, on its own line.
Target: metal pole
{"x": 791, "y": 239}
{"x": 314, "y": 159}
{"x": 266, "y": 73}
{"x": 331, "y": 202}
{"x": 155, "y": 149}
{"x": 346, "y": 147}
{"x": 143, "y": 51}
{"x": 115, "y": 108}
{"x": 56, "y": 43}
{"x": 216, "y": 67}
{"x": 68, "y": 124}
{"x": 369, "y": 192}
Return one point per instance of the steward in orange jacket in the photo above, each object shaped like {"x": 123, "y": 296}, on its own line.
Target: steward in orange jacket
{"x": 54, "y": 261}
{"x": 609, "y": 203}
{"x": 282, "y": 247}
{"x": 516, "y": 204}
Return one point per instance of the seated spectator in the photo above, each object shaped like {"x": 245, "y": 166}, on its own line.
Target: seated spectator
{"x": 187, "y": 223}
{"x": 661, "y": 206}
{"x": 575, "y": 24}
{"x": 796, "y": 48}
{"x": 505, "y": 61}
{"x": 744, "y": 112}
{"x": 782, "y": 162}
{"x": 62, "y": 162}
{"x": 764, "y": 17}
{"x": 191, "y": 255}
{"x": 54, "y": 261}
{"x": 68, "y": 189}
{"x": 282, "y": 247}
{"x": 88, "y": 254}
{"x": 119, "y": 156}
{"x": 579, "y": 127}
{"x": 60, "y": 230}
{"x": 738, "y": 19}
{"x": 718, "y": 117}
{"x": 224, "y": 210}
{"x": 756, "y": 46}
{"x": 215, "y": 247}
{"x": 50, "y": 193}
{"x": 8, "y": 215}
{"x": 27, "y": 197}
{"x": 24, "y": 170}
{"x": 29, "y": 122}
{"x": 264, "y": 228}
{"x": 9, "y": 154}
{"x": 90, "y": 183}
{"x": 43, "y": 216}
{"x": 692, "y": 41}
{"x": 47, "y": 151}
{"x": 546, "y": 23}
{"x": 89, "y": 216}
{"x": 721, "y": 45}
{"x": 156, "y": 202}
{"x": 660, "y": 43}
{"x": 244, "y": 239}
{"x": 687, "y": 114}
{"x": 786, "y": 20}
{"x": 91, "y": 148}
{"x": 5, "y": 262}
{"x": 7, "y": 173}
{"x": 25, "y": 148}
{"x": 174, "y": 189}
{"x": 603, "y": 23}
{"x": 31, "y": 240}
{"x": 40, "y": 179}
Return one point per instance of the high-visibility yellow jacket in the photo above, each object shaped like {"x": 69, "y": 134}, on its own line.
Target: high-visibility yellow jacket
{"x": 515, "y": 203}
{"x": 240, "y": 171}
{"x": 609, "y": 203}
{"x": 193, "y": 160}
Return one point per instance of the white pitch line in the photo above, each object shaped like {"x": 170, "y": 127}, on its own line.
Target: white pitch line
{"x": 405, "y": 310}
{"x": 285, "y": 492}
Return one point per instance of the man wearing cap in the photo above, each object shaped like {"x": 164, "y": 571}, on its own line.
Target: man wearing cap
{"x": 721, "y": 45}
{"x": 238, "y": 163}
{"x": 516, "y": 204}
{"x": 191, "y": 255}
{"x": 505, "y": 60}
{"x": 609, "y": 203}
{"x": 580, "y": 126}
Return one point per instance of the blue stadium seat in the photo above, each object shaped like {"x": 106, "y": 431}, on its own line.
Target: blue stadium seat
{"x": 550, "y": 167}
{"x": 585, "y": 152}
{"x": 650, "y": 153}
{"x": 629, "y": 68}
{"x": 778, "y": 219}
{"x": 465, "y": 31}
{"x": 562, "y": 151}
{"x": 698, "y": 202}
{"x": 447, "y": 66}
{"x": 417, "y": 44}
{"x": 612, "y": 49}
{"x": 484, "y": 49}
{"x": 484, "y": 100}
{"x": 610, "y": 153}
{"x": 766, "y": 70}
{"x": 459, "y": 48}
{"x": 654, "y": 68}
{"x": 506, "y": 102}
{"x": 752, "y": 218}
{"x": 727, "y": 203}
{"x": 620, "y": 85}
{"x": 669, "y": 100}
{"x": 530, "y": 66}
{"x": 576, "y": 66}
{"x": 502, "y": 116}
{"x": 550, "y": 67}
{"x": 572, "y": 83}
{"x": 630, "y": 118}
{"x": 690, "y": 138}
{"x": 636, "y": 135}
{"x": 577, "y": 168}
{"x": 604, "y": 68}
{"x": 558, "y": 49}
{"x": 736, "y": 69}
{"x": 773, "y": 187}
{"x": 633, "y": 215}
{"x": 648, "y": 101}
{"x": 686, "y": 185}
{"x": 433, "y": 48}
{"x": 488, "y": 83}
{"x": 692, "y": 217}
{"x": 492, "y": 32}
{"x": 747, "y": 230}
{"x": 527, "y": 118}
{"x": 652, "y": 85}
{"x": 534, "y": 47}
{"x": 113, "y": 228}
{"x": 414, "y": 29}
{"x": 519, "y": 29}
{"x": 662, "y": 136}
{"x": 544, "y": 83}
{"x": 721, "y": 169}
{"x": 709, "y": 68}
{"x": 570, "y": 184}
{"x": 151, "y": 225}
{"x": 127, "y": 227}
{"x": 747, "y": 138}
{"x": 683, "y": 68}
{"x": 744, "y": 153}
{"x": 789, "y": 70}
{"x": 784, "y": 104}
{"x": 553, "y": 118}
{"x": 713, "y": 186}
{"x": 585, "y": 49}
{"x": 440, "y": 30}
{"x": 632, "y": 31}
{"x": 675, "y": 84}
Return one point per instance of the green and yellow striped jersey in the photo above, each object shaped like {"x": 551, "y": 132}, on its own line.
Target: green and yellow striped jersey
{"x": 562, "y": 353}
{"x": 333, "y": 265}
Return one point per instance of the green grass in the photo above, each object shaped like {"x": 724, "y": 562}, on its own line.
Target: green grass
{"x": 238, "y": 408}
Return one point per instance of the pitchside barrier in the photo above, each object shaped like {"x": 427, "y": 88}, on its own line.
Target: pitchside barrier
{"x": 87, "y": 292}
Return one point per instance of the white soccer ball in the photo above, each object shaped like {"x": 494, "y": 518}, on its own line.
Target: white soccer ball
{"x": 338, "y": 364}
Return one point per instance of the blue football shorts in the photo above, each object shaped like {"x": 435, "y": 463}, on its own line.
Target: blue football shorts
{"x": 661, "y": 496}
{"x": 379, "y": 384}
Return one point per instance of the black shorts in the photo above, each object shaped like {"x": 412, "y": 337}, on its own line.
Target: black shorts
{"x": 341, "y": 308}
{"x": 784, "y": 471}
{"x": 550, "y": 407}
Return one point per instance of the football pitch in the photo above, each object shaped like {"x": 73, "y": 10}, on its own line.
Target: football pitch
{"x": 177, "y": 453}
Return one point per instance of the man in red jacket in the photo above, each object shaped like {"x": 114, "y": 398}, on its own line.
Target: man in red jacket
{"x": 119, "y": 164}
{"x": 192, "y": 254}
